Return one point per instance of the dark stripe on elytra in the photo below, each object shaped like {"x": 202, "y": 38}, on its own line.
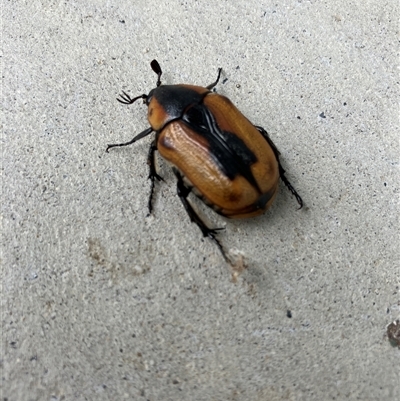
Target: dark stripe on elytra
{"x": 227, "y": 150}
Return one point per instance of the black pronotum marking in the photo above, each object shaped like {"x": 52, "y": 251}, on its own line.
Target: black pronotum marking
{"x": 174, "y": 99}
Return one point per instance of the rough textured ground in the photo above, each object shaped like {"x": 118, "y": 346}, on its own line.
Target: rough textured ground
{"x": 100, "y": 302}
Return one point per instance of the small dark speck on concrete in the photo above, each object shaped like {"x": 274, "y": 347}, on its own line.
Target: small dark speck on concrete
{"x": 299, "y": 117}
{"x": 393, "y": 333}
{"x": 238, "y": 67}
{"x": 122, "y": 21}
{"x": 224, "y": 81}
{"x": 289, "y": 313}
{"x": 322, "y": 115}
{"x": 344, "y": 104}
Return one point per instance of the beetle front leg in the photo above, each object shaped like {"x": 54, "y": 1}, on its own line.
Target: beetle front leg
{"x": 136, "y": 138}
{"x": 151, "y": 161}
{"x": 216, "y": 81}
{"x": 183, "y": 192}
{"x": 281, "y": 169}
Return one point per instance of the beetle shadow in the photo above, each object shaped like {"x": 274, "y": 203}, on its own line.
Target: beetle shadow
{"x": 283, "y": 205}
{"x": 262, "y": 275}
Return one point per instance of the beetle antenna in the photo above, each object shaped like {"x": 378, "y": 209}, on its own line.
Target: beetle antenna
{"x": 157, "y": 69}
{"x": 126, "y": 99}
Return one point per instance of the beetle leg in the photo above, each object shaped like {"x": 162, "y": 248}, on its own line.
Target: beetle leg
{"x": 151, "y": 161}
{"x": 183, "y": 192}
{"x": 136, "y": 138}
{"x": 281, "y": 169}
{"x": 215, "y": 83}
{"x": 289, "y": 186}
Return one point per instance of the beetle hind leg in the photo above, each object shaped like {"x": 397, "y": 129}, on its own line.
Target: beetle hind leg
{"x": 281, "y": 169}
{"x": 152, "y": 173}
{"x": 289, "y": 186}
{"x": 183, "y": 192}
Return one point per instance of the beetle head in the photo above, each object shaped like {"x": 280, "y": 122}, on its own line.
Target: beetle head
{"x": 167, "y": 102}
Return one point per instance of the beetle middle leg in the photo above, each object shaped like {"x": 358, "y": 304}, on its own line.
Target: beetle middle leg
{"x": 151, "y": 161}
{"x": 281, "y": 169}
{"x": 183, "y": 192}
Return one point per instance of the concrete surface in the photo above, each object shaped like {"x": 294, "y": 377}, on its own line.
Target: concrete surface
{"x": 100, "y": 302}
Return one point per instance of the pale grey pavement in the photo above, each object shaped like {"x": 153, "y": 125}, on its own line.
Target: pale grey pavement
{"x": 100, "y": 302}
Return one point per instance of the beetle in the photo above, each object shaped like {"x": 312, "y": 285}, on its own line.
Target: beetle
{"x": 215, "y": 151}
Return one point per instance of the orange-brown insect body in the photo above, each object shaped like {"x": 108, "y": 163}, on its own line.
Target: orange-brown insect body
{"x": 193, "y": 155}
{"x": 232, "y": 165}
